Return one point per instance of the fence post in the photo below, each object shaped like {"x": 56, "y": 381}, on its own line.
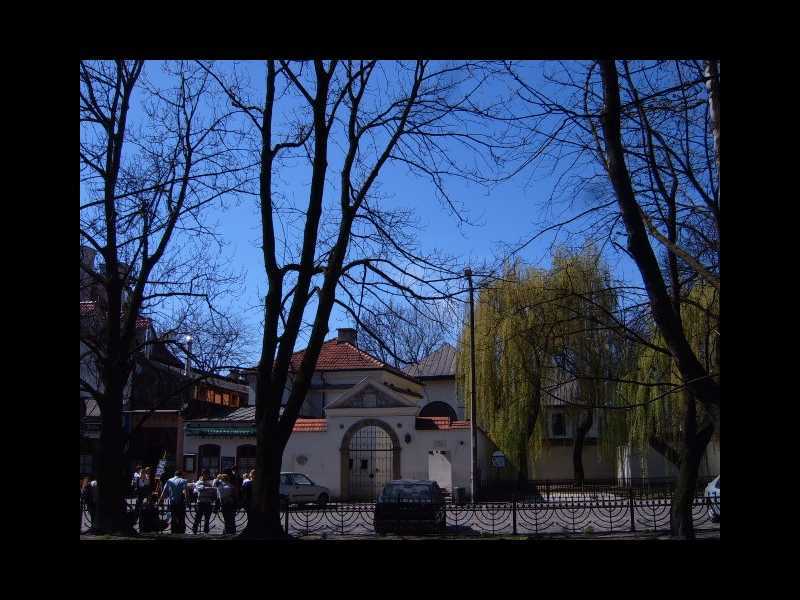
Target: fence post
{"x": 630, "y": 506}
{"x": 514, "y": 512}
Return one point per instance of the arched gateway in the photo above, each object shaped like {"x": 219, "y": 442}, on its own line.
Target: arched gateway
{"x": 370, "y": 457}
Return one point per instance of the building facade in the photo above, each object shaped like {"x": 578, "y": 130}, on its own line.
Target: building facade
{"x": 364, "y": 423}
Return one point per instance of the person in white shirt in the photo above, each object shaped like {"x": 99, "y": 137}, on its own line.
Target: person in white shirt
{"x": 206, "y": 496}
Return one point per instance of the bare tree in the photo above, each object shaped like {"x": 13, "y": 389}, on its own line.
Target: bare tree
{"x": 153, "y": 160}
{"x": 401, "y": 336}
{"x": 345, "y": 122}
{"x": 643, "y": 138}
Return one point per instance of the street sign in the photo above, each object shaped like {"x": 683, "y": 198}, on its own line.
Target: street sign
{"x": 498, "y": 460}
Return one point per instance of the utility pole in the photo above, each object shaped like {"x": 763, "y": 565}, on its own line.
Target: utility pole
{"x": 473, "y": 471}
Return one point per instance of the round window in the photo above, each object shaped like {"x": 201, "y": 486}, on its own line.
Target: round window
{"x": 302, "y": 459}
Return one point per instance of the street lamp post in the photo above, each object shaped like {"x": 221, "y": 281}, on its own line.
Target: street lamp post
{"x": 473, "y": 471}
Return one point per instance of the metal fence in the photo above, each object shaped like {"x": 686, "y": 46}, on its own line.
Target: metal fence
{"x": 638, "y": 509}
{"x": 589, "y": 490}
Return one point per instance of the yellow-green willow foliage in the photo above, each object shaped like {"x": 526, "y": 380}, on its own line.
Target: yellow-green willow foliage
{"x": 524, "y": 323}
{"x": 587, "y": 345}
{"x": 512, "y": 346}
{"x": 659, "y": 412}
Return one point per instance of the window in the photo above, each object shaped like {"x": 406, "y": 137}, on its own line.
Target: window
{"x": 86, "y": 463}
{"x": 363, "y": 464}
{"x": 413, "y": 492}
{"x": 302, "y": 480}
{"x": 209, "y": 458}
{"x": 246, "y": 457}
{"x": 558, "y": 425}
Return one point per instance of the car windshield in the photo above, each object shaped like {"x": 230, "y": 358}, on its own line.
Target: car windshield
{"x": 302, "y": 480}
{"x": 406, "y": 492}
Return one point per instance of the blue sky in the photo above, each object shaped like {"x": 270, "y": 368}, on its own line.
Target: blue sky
{"x": 505, "y": 214}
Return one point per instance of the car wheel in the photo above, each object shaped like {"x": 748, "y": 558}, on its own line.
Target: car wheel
{"x": 323, "y": 499}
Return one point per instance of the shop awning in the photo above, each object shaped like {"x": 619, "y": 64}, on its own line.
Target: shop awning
{"x": 221, "y": 431}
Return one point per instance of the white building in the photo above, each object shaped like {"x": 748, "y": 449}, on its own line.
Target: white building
{"x": 365, "y": 423}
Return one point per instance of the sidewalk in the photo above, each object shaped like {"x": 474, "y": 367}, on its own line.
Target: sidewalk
{"x": 702, "y": 535}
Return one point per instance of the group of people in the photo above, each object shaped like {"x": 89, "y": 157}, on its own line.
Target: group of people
{"x": 227, "y": 492}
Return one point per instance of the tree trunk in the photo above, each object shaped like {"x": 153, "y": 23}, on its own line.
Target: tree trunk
{"x": 694, "y": 446}
{"x": 584, "y": 426}
{"x": 681, "y": 523}
{"x": 112, "y": 478}
{"x": 264, "y": 518}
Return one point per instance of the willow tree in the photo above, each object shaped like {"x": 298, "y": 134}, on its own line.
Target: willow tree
{"x": 514, "y": 337}
{"x": 664, "y": 414}
{"x": 587, "y": 348}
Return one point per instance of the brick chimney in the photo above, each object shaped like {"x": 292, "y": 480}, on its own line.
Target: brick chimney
{"x": 346, "y": 335}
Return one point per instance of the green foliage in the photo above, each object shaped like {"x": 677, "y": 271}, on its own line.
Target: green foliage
{"x": 655, "y": 392}
{"x": 543, "y": 338}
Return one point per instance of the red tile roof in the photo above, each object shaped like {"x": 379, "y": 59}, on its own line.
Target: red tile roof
{"x": 340, "y": 355}
{"x": 88, "y": 308}
{"x": 440, "y": 423}
{"x": 310, "y": 425}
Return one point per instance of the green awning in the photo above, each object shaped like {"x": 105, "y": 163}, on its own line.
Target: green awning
{"x": 221, "y": 431}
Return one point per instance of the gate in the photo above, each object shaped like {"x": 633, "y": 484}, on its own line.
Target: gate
{"x": 370, "y": 460}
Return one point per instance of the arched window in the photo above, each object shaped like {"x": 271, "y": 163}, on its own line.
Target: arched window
{"x": 246, "y": 458}
{"x": 209, "y": 458}
{"x": 438, "y": 409}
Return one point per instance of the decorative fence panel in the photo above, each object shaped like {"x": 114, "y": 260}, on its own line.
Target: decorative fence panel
{"x": 601, "y": 514}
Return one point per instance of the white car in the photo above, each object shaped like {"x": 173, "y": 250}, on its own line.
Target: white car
{"x": 712, "y": 493}
{"x": 297, "y": 488}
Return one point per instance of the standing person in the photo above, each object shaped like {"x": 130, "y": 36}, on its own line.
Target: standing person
{"x": 89, "y": 497}
{"x": 206, "y": 496}
{"x": 144, "y": 487}
{"x": 175, "y": 490}
{"x": 227, "y": 499}
{"x": 247, "y": 492}
{"x": 137, "y": 473}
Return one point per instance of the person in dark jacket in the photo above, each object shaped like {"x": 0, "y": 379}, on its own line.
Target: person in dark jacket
{"x": 227, "y": 500}
{"x": 247, "y": 492}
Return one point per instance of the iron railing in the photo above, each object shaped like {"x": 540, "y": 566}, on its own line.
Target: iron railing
{"x": 591, "y": 489}
{"x": 639, "y": 510}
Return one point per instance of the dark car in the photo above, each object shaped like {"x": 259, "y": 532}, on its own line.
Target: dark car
{"x": 410, "y": 505}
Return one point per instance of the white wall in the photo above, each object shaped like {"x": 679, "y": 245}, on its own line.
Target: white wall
{"x": 556, "y": 463}
{"x": 653, "y": 464}
{"x": 443, "y": 390}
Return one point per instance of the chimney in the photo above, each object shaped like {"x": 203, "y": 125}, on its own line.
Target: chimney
{"x": 346, "y": 335}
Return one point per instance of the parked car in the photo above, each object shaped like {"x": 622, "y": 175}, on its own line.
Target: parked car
{"x": 297, "y": 488}
{"x": 410, "y": 505}
{"x": 712, "y": 493}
